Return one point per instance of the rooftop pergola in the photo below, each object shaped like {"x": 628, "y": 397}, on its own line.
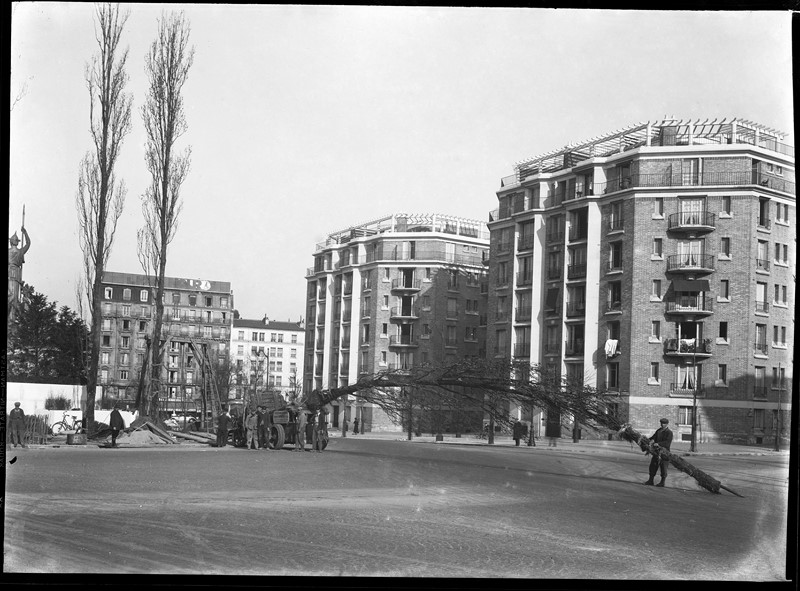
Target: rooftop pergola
{"x": 666, "y": 132}
{"x": 408, "y": 222}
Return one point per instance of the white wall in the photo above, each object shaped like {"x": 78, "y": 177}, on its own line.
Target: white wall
{"x": 32, "y": 396}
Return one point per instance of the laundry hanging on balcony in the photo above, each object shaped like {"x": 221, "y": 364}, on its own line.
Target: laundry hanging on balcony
{"x": 611, "y": 347}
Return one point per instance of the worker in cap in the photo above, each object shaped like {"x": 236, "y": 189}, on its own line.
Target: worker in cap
{"x": 663, "y": 437}
{"x": 16, "y": 425}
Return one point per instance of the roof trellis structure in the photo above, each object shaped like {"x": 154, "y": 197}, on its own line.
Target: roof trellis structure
{"x": 667, "y": 131}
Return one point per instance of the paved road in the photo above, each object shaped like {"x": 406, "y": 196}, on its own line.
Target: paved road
{"x": 390, "y": 508}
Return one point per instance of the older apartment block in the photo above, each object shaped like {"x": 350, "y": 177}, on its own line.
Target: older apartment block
{"x": 196, "y": 331}
{"x": 656, "y": 263}
{"x": 391, "y": 293}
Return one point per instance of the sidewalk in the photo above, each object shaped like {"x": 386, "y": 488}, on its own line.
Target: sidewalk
{"x": 583, "y": 446}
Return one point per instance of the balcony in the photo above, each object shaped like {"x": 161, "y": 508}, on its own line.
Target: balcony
{"x": 692, "y": 305}
{"x": 762, "y": 265}
{"x": 615, "y": 306}
{"x": 403, "y": 341}
{"x": 576, "y": 271}
{"x": 573, "y": 348}
{"x": 523, "y": 314}
{"x": 403, "y": 313}
{"x": 614, "y": 266}
{"x": 576, "y": 308}
{"x": 522, "y": 350}
{"x": 524, "y": 279}
{"x": 525, "y": 242}
{"x": 686, "y": 390}
{"x": 555, "y": 237}
{"x": 616, "y": 225}
{"x": 554, "y": 272}
{"x": 687, "y": 348}
{"x": 695, "y": 222}
{"x": 406, "y": 285}
{"x": 577, "y": 234}
{"x": 552, "y": 349}
{"x": 762, "y": 307}
{"x": 707, "y": 179}
{"x": 690, "y": 263}
{"x": 761, "y": 348}
{"x": 401, "y": 366}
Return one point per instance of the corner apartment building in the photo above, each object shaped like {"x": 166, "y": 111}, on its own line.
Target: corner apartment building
{"x": 391, "y": 293}
{"x": 267, "y": 354}
{"x": 195, "y": 311}
{"x": 656, "y": 263}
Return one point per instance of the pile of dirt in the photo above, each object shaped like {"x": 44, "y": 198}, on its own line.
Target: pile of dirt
{"x": 140, "y": 437}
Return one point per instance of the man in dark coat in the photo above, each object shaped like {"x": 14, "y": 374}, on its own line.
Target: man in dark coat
{"x": 517, "y": 432}
{"x": 16, "y": 424}
{"x": 117, "y": 424}
{"x": 663, "y": 437}
{"x": 264, "y": 427}
{"x": 222, "y": 427}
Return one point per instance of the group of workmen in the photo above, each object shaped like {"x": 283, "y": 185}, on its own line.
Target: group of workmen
{"x": 257, "y": 428}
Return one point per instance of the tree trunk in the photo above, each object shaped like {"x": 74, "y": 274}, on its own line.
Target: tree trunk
{"x": 713, "y": 485}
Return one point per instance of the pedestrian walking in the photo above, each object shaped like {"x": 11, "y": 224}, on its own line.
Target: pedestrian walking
{"x": 663, "y": 437}
{"x": 16, "y": 424}
{"x": 117, "y": 424}
{"x": 223, "y": 421}
{"x": 355, "y": 426}
{"x": 320, "y": 430}
{"x": 300, "y": 438}
{"x": 264, "y": 427}
{"x": 516, "y": 431}
{"x": 251, "y": 430}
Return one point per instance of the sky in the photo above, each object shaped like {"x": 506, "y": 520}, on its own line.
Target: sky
{"x": 304, "y": 120}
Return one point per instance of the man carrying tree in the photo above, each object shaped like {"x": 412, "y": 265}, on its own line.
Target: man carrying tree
{"x": 663, "y": 437}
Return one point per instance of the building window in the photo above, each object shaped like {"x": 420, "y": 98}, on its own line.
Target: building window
{"x": 126, "y": 310}
{"x": 778, "y": 375}
{"x": 658, "y": 207}
{"x": 685, "y": 414}
{"x": 725, "y": 247}
{"x": 654, "y": 377}
{"x": 758, "y": 418}
{"x": 384, "y": 329}
{"x": 500, "y": 345}
{"x": 724, "y": 289}
{"x": 108, "y": 293}
{"x": 293, "y": 353}
{"x": 726, "y": 204}
{"x": 142, "y": 325}
{"x": 206, "y": 332}
{"x": 106, "y": 324}
{"x": 223, "y": 302}
{"x": 452, "y": 308}
{"x": 779, "y": 336}
{"x": 655, "y": 292}
{"x": 723, "y": 331}
{"x": 105, "y": 357}
{"x": 612, "y": 376}
{"x": 615, "y": 256}
{"x": 126, "y": 294}
{"x": 781, "y": 253}
{"x": 658, "y": 248}
{"x": 780, "y": 294}
{"x": 722, "y": 374}
{"x": 386, "y": 273}
{"x": 209, "y": 301}
{"x": 655, "y": 329}
{"x": 126, "y": 325}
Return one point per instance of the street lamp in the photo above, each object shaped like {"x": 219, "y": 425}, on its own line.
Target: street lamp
{"x": 778, "y": 416}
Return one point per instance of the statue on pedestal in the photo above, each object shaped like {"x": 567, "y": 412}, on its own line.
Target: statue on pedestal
{"x": 16, "y": 258}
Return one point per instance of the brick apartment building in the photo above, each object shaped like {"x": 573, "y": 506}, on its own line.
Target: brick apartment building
{"x": 195, "y": 311}
{"x": 401, "y": 290}
{"x": 656, "y": 263}
{"x": 267, "y": 354}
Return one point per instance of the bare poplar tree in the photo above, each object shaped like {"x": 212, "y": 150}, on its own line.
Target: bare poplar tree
{"x": 101, "y": 196}
{"x": 167, "y": 66}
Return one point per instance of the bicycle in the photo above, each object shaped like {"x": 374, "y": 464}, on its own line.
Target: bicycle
{"x": 67, "y": 423}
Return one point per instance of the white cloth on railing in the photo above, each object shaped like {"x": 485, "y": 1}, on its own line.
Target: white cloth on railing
{"x": 611, "y": 347}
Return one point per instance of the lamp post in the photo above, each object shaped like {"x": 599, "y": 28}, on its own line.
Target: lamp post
{"x": 693, "y": 446}
{"x": 778, "y": 416}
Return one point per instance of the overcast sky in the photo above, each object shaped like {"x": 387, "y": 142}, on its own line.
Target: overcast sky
{"x": 305, "y": 120}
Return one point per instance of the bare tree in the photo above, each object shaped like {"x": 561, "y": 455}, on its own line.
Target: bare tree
{"x": 167, "y": 65}
{"x": 101, "y": 196}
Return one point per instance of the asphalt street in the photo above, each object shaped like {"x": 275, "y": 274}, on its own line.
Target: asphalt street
{"x": 390, "y": 508}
